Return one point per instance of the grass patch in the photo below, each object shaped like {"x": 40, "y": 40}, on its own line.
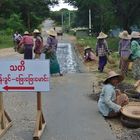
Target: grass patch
{"x": 113, "y": 43}
{"x": 91, "y": 41}
{"x": 6, "y": 41}
{"x": 113, "y": 46}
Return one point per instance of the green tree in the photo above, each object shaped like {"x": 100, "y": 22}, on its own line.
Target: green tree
{"x": 15, "y": 23}
{"x": 32, "y": 12}
{"x": 100, "y": 13}
{"x": 108, "y": 13}
{"x": 68, "y": 18}
{"x": 127, "y": 12}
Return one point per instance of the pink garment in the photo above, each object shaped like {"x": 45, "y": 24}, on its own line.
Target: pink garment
{"x": 89, "y": 56}
{"x": 27, "y": 40}
{"x": 92, "y": 56}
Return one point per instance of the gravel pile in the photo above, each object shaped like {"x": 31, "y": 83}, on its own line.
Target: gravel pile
{"x": 131, "y": 135}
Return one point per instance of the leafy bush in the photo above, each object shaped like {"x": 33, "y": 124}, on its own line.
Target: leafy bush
{"x": 15, "y": 23}
{"x": 91, "y": 41}
{"x": 113, "y": 43}
{"x": 5, "y": 41}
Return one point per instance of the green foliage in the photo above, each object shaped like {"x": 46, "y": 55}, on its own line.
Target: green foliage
{"x": 113, "y": 43}
{"x": 5, "y": 40}
{"x": 68, "y": 18}
{"x": 31, "y": 13}
{"x": 91, "y": 41}
{"x": 2, "y": 23}
{"x": 126, "y": 12}
{"x": 107, "y": 14}
{"x": 56, "y": 15}
{"x": 15, "y": 23}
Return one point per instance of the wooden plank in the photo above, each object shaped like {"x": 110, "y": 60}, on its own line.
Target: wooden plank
{"x": 39, "y": 122}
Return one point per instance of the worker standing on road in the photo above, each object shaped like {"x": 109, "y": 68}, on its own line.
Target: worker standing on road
{"x": 27, "y": 42}
{"x": 38, "y": 43}
{"x": 102, "y": 51}
{"x": 50, "y": 51}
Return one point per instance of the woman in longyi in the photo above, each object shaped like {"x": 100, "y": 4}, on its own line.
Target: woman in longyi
{"x": 112, "y": 100}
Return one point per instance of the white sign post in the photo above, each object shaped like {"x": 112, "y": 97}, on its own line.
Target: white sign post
{"x": 24, "y": 75}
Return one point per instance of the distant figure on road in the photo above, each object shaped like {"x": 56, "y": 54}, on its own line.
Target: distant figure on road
{"x": 89, "y": 54}
{"x": 111, "y": 100}
{"x": 27, "y": 42}
{"x": 50, "y": 51}
{"x": 38, "y": 43}
{"x": 102, "y": 50}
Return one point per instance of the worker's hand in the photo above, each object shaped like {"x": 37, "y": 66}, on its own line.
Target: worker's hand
{"x": 121, "y": 109}
{"x": 118, "y": 92}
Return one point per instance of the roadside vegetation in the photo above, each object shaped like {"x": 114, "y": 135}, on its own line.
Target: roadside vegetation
{"x": 6, "y": 41}
{"x": 16, "y": 15}
{"x": 91, "y": 41}
{"x": 113, "y": 47}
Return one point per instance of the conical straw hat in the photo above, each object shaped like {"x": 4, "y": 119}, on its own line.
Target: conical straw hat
{"x": 102, "y": 35}
{"x": 124, "y": 35}
{"x": 36, "y": 31}
{"x": 87, "y": 47}
{"x": 135, "y": 34}
{"x": 26, "y": 33}
{"x": 52, "y": 32}
{"x": 112, "y": 74}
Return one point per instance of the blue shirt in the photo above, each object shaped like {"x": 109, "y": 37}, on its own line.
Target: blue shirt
{"x": 106, "y": 101}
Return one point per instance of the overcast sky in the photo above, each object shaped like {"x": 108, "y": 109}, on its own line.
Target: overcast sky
{"x": 61, "y": 6}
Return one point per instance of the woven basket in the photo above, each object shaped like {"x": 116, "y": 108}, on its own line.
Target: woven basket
{"x": 129, "y": 122}
{"x": 132, "y": 111}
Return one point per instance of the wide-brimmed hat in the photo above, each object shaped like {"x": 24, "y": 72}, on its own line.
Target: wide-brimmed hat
{"x": 137, "y": 86}
{"x": 135, "y": 34}
{"x": 36, "y": 31}
{"x": 124, "y": 35}
{"x": 102, "y": 35}
{"x": 132, "y": 110}
{"x": 113, "y": 74}
{"x": 26, "y": 33}
{"x": 87, "y": 47}
{"x": 52, "y": 32}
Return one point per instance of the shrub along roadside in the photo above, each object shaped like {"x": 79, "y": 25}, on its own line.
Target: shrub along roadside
{"x": 113, "y": 46}
{"x": 91, "y": 41}
{"x": 6, "y": 41}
